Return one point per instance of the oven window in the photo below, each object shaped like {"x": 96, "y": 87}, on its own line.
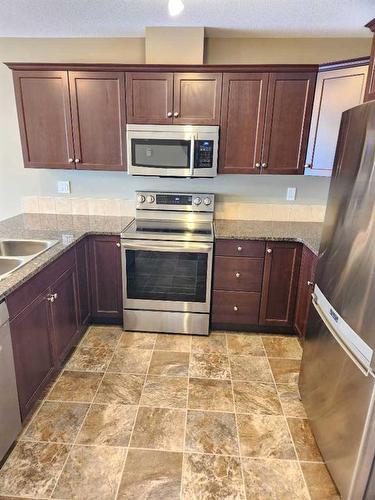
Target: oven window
{"x": 170, "y": 276}
{"x": 158, "y": 153}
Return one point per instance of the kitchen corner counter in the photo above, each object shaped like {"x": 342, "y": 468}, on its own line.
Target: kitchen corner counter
{"x": 67, "y": 229}
{"x": 308, "y": 233}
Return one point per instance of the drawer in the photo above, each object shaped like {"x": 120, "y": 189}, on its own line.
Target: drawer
{"x": 240, "y": 248}
{"x": 237, "y": 308}
{"x": 238, "y": 274}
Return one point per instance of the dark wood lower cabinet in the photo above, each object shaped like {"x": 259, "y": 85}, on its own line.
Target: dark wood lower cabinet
{"x": 235, "y": 308}
{"x": 305, "y": 288}
{"x": 82, "y": 262}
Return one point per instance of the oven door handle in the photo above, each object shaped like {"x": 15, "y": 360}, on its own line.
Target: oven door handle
{"x": 190, "y": 247}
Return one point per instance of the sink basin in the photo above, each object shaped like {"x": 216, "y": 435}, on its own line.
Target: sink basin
{"x": 8, "y": 265}
{"x": 12, "y": 248}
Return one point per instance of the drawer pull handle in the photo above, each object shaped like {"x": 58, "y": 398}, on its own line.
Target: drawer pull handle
{"x": 239, "y": 249}
{"x": 235, "y": 308}
{"x": 238, "y": 275}
{"x": 269, "y": 250}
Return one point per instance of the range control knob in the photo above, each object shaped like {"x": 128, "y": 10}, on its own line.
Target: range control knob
{"x": 207, "y": 201}
{"x": 197, "y": 201}
{"x": 141, "y": 198}
{"x": 150, "y": 198}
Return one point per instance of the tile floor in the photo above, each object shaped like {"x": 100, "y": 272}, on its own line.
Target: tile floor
{"x": 137, "y": 415}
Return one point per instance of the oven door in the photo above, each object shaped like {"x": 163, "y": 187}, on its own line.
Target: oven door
{"x": 167, "y": 275}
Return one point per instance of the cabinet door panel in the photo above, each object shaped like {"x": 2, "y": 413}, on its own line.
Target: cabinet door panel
{"x": 106, "y": 279}
{"x": 65, "y": 313}
{"x": 82, "y": 257}
{"x": 149, "y": 97}
{"x": 238, "y": 274}
{"x": 370, "y": 85}
{"x": 197, "y": 98}
{"x": 98, "y": 110}
{"x": 242, "y": 121}
{"x": 33, "y": 355}
{"x": 235, "y": 308}
{"x": 288, "y": 115}
{"x": 43, "y": 106}
{"x": 307, "y": 272}
{"x": 280, "y": 279}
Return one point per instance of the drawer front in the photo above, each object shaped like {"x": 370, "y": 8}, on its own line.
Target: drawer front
{"x": 237, "y": 308}
{"x": 240, "y": 248}
{"x": 238, "y": 274}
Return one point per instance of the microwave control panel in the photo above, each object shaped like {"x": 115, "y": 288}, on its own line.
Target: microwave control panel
{"x": 204, "y": 154}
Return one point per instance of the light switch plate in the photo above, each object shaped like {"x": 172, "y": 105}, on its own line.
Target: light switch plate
{"x": 63, "y": 187}
{"x": 291, "y": 193}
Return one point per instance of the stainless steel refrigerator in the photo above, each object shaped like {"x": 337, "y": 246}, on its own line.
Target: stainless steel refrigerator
{"x": 337, "y": 374}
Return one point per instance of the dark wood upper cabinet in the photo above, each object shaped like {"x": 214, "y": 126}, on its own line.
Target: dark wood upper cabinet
{"x": 370, "y": 84}
{"x": 305, "y": 288}
{"x": 149, "y": 97}
{"x": 288, "y": 115}
{"x": 280, "y": 278}
{"x": 106, "y": 278}
{"x": 98, "y": 112}
{"x": 197, "y": 98}
{"x": 43, "y": 106}
{"x": 242, "y": 122}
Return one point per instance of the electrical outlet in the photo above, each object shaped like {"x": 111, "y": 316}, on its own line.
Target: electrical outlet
{"x": 63, "y": 187}
{"x": 291, "y": 194}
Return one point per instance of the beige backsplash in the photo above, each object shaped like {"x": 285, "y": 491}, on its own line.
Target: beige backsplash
{"x": 223, "y": 210}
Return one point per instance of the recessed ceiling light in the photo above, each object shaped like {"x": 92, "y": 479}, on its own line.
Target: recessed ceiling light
{"x": 175, "y": 7}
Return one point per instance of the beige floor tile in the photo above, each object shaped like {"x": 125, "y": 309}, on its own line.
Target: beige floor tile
{"x": 130, "y": 360}
{"x": 102, "y": 337}
{"x": 265, "y": 436}
{"x": 210, "y": 394}
{"x": 213, "y": 343}
{"x": 291, "y": 400}
{"x": 32, "y": 469}
{"x": 56, "y": 422}
{"x": 285, "y": 371}
{"x": 304, "y": 441}
{"x": 169, "y": 363}
{"x": 159, "y": 428}
{"x": 120, "y": 388}
{"x": 211, "y": 432}
{"x": 165, "y": 392}
{"x": 169, "y": 342}
{"x": 251, "y": 368}
{"x": 158, "y": 477}
{"x": 319, "y": 482}
{"x": 91, "y": 472}
{"x": 209, "y": 477}
{"x": 282, "y": 347}
{"x": 108, "y": 425}
{"x": 209, "y": 365}
{"x": 256, "y": 397}
{"x": 75, "y": 386}
{"x": 273, "y": 480}
{"x": 138, "y": 340}
{"x": 93, "y": 359}
{"x": 246, "y": 344}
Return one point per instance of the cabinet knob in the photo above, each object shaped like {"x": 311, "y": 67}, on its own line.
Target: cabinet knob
{"x": 77, "y": 160}
{"x": 269, "y": 250}
{"x": 50, "y": 298}
{"x": 257, "y": 165}
{"x": 54, "y": 295}
{"x": 264, "y": 165}
{"x": 235, "y": 308}
{"x": 239, "y": 249}
{"x": 118, "y": 244}
{"x": 310, "y": 283}
{"x": 71, "y": 160}
{"x": 175, "y": 114}
{"x": 308, "y": 165}
{"x": 169, "y": 114}
{"x": 238, "y": 275}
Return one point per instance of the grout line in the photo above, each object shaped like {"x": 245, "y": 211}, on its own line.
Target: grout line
{"x": 185, "y": 425}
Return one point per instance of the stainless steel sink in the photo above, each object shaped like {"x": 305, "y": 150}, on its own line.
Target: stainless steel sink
{"x": 14, "y": 253}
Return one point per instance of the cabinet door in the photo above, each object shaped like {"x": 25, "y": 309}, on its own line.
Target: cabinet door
{"x": 242, "y": 122}
{"x": 288, "y": 115}
{"x": 65, "y": 313}
{"x": 43, "y": 106}
{"x": 336, "y": 91}
{"x": 304, "y": 291}
{"x": 197, "y": 98}
{"x": 149, "y": 98}
{"x": 106, "y": 279}
{"x": 31, "y": 334}
{"x": 98, "y": 110}
{"x": 280, "y": 279}
{"x": 370, "y": 85}
{"x": 83, "y": 278}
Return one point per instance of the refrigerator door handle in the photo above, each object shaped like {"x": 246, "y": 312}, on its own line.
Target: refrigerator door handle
{"x": 364, "y": 369}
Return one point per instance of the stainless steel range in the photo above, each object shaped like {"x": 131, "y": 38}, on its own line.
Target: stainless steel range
{"x": 167, "y": 263}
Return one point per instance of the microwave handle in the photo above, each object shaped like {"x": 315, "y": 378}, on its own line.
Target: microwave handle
{"x": 192, "y": 155}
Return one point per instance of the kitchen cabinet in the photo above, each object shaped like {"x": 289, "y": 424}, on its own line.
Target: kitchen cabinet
{"x": 279, "y": 287}
{"x": 71, "y": 120}
{"x": 82, "y": 260}
{"x": 336, "y": 91}
{"x": 173, "y": 98}
{"x": 370, "y": 85}
{"x": 305, "y": 288}
{"x": 265, "y": 122}
{"x": 106, "y": 279}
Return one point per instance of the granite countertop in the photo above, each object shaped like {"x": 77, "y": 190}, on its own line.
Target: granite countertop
{"x": 67, "y": 229}
{"x": 308, "y": 233}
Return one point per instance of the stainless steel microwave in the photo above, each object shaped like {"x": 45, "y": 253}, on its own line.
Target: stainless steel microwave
{"x": 172, "y": 150}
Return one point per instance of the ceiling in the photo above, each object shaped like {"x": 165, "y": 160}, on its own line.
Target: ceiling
{"x": 117, "y": 18}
